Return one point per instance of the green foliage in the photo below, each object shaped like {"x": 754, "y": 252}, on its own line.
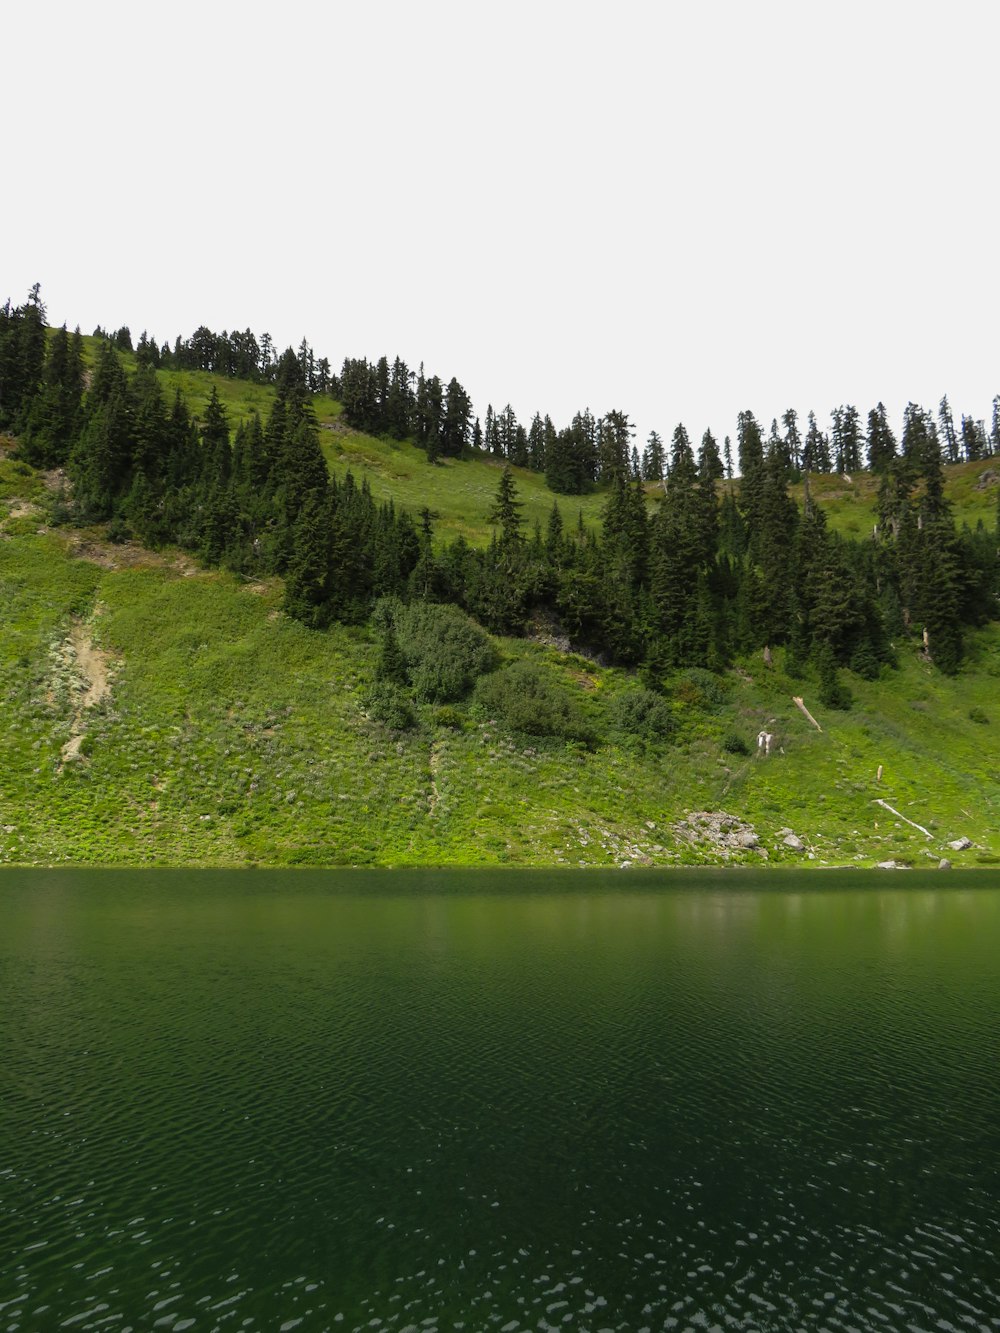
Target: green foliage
{"x": 734, "y": 743}
{"x": 833, "y": 692}
{"x": 444, "y": 650}
{"x": 391, "y": 664}
{"x": 641, "y": 713}
{"x": 978, "y": 715}
{"x": 386, "y": 703}
{"x": 222, "y": 707}
{"x": 524, "y": 697}
{"x": 449, "y": 716}
{"x": 698, "y": 688}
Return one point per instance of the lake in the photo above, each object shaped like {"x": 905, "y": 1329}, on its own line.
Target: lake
{"x": 512, "y": 1101}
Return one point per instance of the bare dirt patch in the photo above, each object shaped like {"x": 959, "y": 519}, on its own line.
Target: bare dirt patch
{"x": 24, "y": 509}
{"x": 89, "y": 671}
{"x": 127, "y": 555}
{"x": 434, "y": 765}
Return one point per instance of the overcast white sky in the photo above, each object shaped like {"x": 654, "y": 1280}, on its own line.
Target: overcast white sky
{"x": 678, "y": 210}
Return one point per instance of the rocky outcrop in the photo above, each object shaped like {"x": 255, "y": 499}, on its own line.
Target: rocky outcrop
{"x": 715, "y": 830}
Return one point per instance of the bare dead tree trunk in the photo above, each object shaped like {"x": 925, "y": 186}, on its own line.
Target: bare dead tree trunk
{"x": 803, "y": 709}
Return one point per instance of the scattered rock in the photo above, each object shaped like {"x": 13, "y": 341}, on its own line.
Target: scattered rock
{"x": 944, "y": 864}
{"x": 796, "y": 844}
{"x": 960, "y": 844}
{"x": 891, "y": 865}
{"x": 988, "y": 478}
{"x": 722, "y": 832}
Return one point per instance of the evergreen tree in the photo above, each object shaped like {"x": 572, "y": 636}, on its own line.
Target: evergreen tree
{"x": 614, "y": 433}
{"x": 22, "y": 358}
{"x": 455, "y": 423}
{"x": 846, "y": 439}
{"x": 793, "y": 439}
{"x": 949, "y": 435}
{"x": 653, "y": 458}
{"x": 506, "y": 509}
{"x": 881, "y": 442}
{"x": 391, "y": 665}
{"x": 51, "y": 420}
{"x": 676, "y": 559}
{"x": 975, "y": 441}
{"x": 309, "y": 576}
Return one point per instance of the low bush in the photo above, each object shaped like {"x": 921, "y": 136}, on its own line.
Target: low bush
{"x": 641, "y": 713}
{"x": 525, "y": 698}
{"x": 444, "y": 650}
{"x": 447, "y": 716}
{"x": 388, "y": 704}
{"x": 734, "y": 743}
{"x": 699, "y": 688}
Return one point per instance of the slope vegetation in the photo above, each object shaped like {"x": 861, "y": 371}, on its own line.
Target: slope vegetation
{"x": 154, "y": 712}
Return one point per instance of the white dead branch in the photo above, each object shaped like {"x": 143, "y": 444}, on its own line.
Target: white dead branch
{"x": 919, "y": 827}
{"x": 803, "y": 709}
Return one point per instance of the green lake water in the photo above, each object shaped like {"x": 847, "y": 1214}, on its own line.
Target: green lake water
{"x": 266, "y": 1101}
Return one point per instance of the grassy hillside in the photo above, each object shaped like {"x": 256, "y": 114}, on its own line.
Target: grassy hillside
{"x": 849, "y": 502}
{"x": 460, "y": 493}
{"x": 154, "y": 712}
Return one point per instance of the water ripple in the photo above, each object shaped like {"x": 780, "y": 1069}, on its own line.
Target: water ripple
{"x": 286, "y": 1107}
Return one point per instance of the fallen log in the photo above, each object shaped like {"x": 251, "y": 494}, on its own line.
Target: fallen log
{"x": 919, "y": 827}
{"x": 802, "y": 708}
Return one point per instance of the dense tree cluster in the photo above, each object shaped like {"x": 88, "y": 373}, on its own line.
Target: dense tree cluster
{"x": 688, "y": 571}
{"x": 237, "y": 355}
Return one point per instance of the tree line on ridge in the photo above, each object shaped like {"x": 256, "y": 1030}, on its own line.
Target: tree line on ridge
{"x": 719, "y": 561}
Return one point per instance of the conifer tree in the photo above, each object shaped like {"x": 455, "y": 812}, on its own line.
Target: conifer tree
{"x": 653, "y": 458}
{"x": 949, "y": 436}
{"x": 614, "y": 443}
{"x": 846, "y": 439}
{"x": 881, "y": 443}
{"x": 506, "y": 509}
{"x": 676, "y": 558}
{"x": 793, "y": 439}
{"x": 455, "y": 421}
{"x": 308, "y": 580}
{"x": 52, "y": 418}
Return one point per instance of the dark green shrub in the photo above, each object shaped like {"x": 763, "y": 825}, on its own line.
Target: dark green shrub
{"x": 641, "y": 713}
{"x": 833, "y": 693}
{"x": 444, "y": 650}
{"x": 699, "y": 688}
{"x": 864, "y": 662}
{"x": 388, "y": 704}
{"x": 391, "y": 665}
{"x": 119, "y": 531}
{"x": 525, "y": 698}
{"x": 977, "y": 715}
{"x": 447, "y": 716}
{"x": 734, "y": 743}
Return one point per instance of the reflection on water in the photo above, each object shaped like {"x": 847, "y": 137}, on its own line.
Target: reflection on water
{"x": 245, "y": 1100}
